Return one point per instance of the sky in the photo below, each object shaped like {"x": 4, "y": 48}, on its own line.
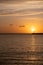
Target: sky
{"x": 21, "y": 16}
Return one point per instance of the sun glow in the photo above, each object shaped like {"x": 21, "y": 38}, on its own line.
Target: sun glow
{"x": 33, "y": 29}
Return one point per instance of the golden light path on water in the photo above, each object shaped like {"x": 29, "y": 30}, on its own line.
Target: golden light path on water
{"x": 33, "y": 43}
{"x": 35, "y": 50}
{"x": 33, "y": 56}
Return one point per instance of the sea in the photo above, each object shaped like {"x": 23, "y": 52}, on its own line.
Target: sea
{"x": 21, "y": 49}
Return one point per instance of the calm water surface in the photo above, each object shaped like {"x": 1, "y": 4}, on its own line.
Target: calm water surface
{"x": 21, "y": 49}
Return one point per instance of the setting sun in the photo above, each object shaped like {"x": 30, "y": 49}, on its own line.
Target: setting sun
{"x": 33, "y": 29}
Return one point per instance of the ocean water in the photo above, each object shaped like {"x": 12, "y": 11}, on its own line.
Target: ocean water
{"x": 21, "y": 49}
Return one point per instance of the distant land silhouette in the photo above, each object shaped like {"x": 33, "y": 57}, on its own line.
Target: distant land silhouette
{"x": 21, "y": 33}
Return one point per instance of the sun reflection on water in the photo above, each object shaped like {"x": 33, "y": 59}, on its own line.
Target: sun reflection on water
{"x": 33, "y": 43}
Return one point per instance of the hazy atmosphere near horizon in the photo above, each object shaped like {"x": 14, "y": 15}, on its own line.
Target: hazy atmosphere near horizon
{"x": 21, "y": 16}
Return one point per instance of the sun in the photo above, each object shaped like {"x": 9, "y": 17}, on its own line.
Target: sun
{"x": 33, "y": 29}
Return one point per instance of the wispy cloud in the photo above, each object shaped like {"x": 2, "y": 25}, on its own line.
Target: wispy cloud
{"x": 10, "y": 24}
{"x": 24, "y": 9}
{"x": 18, "y": 0}
{"x": 21, "y": 26}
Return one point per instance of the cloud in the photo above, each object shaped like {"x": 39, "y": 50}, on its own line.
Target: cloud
{"x": 22, "y": 26}
{"x": 19, "y": 0}
{"x": 10, "y": 24}
{"x": 26, "y": 9}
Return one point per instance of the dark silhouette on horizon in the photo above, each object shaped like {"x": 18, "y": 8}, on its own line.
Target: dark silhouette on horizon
{"x": 21, "y": 33}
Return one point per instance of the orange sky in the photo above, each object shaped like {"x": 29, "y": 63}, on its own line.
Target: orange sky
{"x": 21, "y": 17}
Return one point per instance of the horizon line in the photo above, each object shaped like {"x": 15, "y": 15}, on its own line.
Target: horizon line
{"x": 21, "y": 33}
